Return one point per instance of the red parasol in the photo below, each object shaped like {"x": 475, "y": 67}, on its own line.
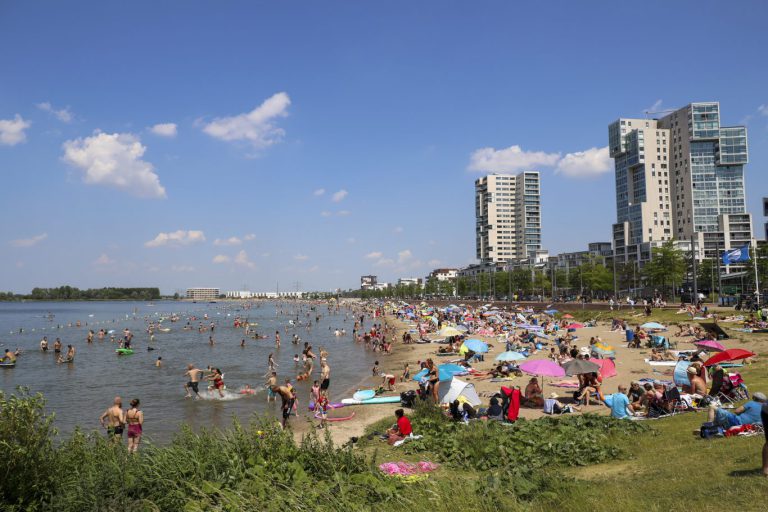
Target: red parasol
{"x": 729, "y": 355}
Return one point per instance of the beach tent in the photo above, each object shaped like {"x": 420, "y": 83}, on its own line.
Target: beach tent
{"x": 681, "y": 373}
{"x": 458, "y": 388}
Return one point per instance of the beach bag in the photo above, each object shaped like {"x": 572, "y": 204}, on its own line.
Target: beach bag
{"x": 710, "y": 430}
{"x": 408, "y": 398}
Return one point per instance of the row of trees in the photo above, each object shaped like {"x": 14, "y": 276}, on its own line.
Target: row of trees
{"x": 667, "y": 272}
{"x": 72, "y": 293}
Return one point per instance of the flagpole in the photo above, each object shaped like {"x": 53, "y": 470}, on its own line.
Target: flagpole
{"x": 757, "y": 283}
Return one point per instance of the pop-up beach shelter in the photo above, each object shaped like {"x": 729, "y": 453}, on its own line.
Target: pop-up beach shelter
{"x": 458, "y": 388}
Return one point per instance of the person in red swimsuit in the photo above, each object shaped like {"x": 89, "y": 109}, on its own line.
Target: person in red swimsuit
{"x": 218, "y": 381}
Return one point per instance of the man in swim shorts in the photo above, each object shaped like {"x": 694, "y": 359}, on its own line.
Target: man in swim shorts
{"x": 325, "y": 376}
{"x": 115, "y": 419}
{"x": 287, "y": 398}
{"x": 193, "y": 383}
{"x": 271, "y": 382}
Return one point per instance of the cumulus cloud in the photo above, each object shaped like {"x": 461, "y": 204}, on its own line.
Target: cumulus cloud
{"x": 242, "y": 259}
{"x": 115, "y": 160}
{"x": 182, "y": 268}
{"x": 255, "y": 127}
{"x": 301, "y": 257}
{"x": 404, "y": 256}
{"x": 384, "y": 262}
{"x": 164, "y": 129}
{"x": 103, "y": 260}
{"x": 318, "y": 192}
{"x": 326, "y": 213}
{"x": 12, "y": 131}
{"x": 29, "y": 242}
{"x": 762, "y": 110}
{"x": 221, "y": 258}
{"x": 374, "y": 255}
{"x": 585, "y": 164}
{"x": 176, "y": 238}
{"x": 339, "y": 196}
{"x": 64, "y": 115}
{"x": 249, "y": 237}
{"x": 511, "y": 159}
{"x": 233, "y": 240}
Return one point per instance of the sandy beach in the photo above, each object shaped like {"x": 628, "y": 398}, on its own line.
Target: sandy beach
{"x": 630, "y": 365}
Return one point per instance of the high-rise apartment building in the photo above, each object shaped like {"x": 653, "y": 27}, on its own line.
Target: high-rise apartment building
{"x": 508, "y": 216}
{"x": 679, "y": 177}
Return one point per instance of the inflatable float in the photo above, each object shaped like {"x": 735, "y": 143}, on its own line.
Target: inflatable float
{"x": 372, "y": 401}
{"x": 344, "y": 418}
{"x": 124, "y": 351}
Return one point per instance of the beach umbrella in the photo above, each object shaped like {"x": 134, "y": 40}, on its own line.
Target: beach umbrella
{"x": 602, "y": 351}
{"x": 733, "y": 354}
{"x": 652, "y": 325}
{"x": 607, "y": 367}
{"x": 542, "y": 367}
{"x": 510, "y": 356}
{"x": 449, "y": 331}
{"x": 463, "y": 328}
{"x": 710, "y": 344}
{"x": 567, "y": 315}
{"x": 476, "y": 346}
{"x": 444, "y": 372}
{"x": 575, "y": 325}
{"x": 580, "y": 367}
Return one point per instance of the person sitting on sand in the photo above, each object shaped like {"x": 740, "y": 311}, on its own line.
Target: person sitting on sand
{"x": 591, "y": 385}
{"x": 533, "y": 396}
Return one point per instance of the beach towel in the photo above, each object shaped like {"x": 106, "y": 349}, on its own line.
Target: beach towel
{"x": 565, "y": 384}
{"x": 407, "y": 468}
{"x": 511, "y": 405}
{"x": 661, "y": 363}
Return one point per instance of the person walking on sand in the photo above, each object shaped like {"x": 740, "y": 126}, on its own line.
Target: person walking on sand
{"x": 135, "y": 420}
{"x": 113, "y": 420}
{"x": 193, "y": 383}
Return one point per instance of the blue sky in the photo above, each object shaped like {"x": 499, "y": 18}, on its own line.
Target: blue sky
{"x": 235, "y": 143}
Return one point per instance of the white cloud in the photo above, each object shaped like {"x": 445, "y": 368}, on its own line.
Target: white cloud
{"x": 242, "y": 259}
{"x": 585, "y": 164}
{"x": 12, "y": 130}
{"x": 763, "y": 110}
{"x": 404, "y": 256}
{"x": 326, "y": 213}
{"x": 255, "y": 127}
{"x": 165, "y": 129}
{"x": 339, "y": 196}
{"x": 343, "y": 213}
{"x": 233, "y": 240}
{"x": 384, "y": 262}
{"x": 29, "y": 242}
{"x": 221, "y": 258}
{"x": 64, "y": 115}
{"x": 374, "y": 255}
{"x": 434, "y": 263}
{"x": 318, "y": 192}
{"x": 301, "y": 257}
{"x": 249, "y": 237}
{"x": 114, "y": 160}
{"x": 510, "y": 159}
{"x": 103, "y": 260}
{"x": 182, "y": 268}
{"x": 177, "y": 238}
{"x": 397, "y": 230}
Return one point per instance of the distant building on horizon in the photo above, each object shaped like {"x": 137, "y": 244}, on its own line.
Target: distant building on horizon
{"x": 202, "y": 293}
{"x": 679, "y": 178}
{"x": 368, "y": 282}
{"x": 443, "y": 274}
{"x": 507, "y": 217}
{"x": 410, "y": 281}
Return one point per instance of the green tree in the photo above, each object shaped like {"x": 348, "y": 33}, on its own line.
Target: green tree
{"x": 666, "y": 268}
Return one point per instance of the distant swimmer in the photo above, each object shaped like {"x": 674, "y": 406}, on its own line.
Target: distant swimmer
{"x": 277, "y": 339}
{"x": 192, "y": 384}
{"x": 44, "y": 344}
{"x": 9, "y": 357}
{"x": 159, "y": 362}
{"x": 57, "y": 346}
{"x": 113, "y": 419}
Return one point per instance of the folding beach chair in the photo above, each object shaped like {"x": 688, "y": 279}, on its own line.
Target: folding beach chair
{"x": 734, "y": 390}
{"x": 673, "y": 402}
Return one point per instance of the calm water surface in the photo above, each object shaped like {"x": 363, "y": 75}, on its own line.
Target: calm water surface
{"x": 79, "y": 392}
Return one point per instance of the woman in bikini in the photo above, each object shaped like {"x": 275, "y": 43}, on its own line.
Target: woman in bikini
{"x": 135, "y": 420}
{"x": 218, "y": 381}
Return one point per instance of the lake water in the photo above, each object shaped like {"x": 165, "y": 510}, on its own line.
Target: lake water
{"x": 79, "y": 392}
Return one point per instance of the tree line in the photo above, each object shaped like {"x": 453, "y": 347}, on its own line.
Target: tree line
{"x": 73, "y": 293}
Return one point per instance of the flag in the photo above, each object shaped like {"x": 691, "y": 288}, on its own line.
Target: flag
{"x": 736, "y": 255}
